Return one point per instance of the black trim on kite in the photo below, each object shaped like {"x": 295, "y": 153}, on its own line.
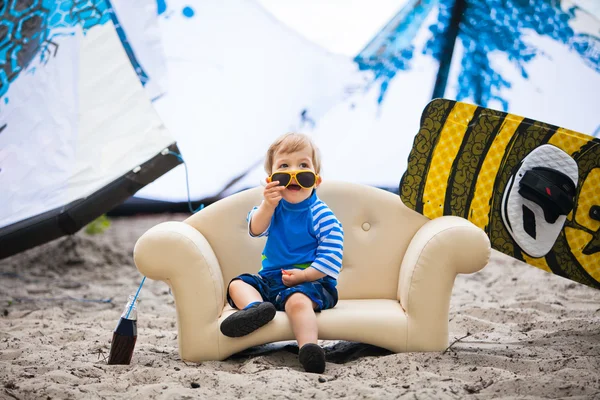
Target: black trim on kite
{"x": 449, "y": 38}
{"x": 70, "y": 218}
{"x": 138, "y": 205}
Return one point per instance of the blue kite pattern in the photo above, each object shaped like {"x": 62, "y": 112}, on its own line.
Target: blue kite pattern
{"x": 486, "y": 26}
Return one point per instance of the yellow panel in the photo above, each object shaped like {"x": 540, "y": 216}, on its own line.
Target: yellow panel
{"x": 537, "y": 262}
{"x": 569, "y": 141}
{"x": 443, "y": 156}
{"x": 480, "y": 205}
{"x": 577, "y": 240}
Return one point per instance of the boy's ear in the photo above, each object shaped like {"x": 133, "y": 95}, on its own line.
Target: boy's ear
{"x": 268, "y": 179}
{"x": 319, "y": 180}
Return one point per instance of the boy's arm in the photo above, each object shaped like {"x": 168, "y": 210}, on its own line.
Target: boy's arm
{"x": 328, "y": 261}
{"x": 295, "y": 276}
{"x": 330, "y": 235}
{"x": 312, "y": 274}
{"x": 259, "y": 220}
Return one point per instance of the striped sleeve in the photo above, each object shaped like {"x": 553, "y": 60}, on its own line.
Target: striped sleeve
{"x": 249, "y": 218}
{"x": 330, "y": 235}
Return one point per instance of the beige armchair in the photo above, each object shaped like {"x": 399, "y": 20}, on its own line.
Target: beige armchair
{"x": 394, "y": 288}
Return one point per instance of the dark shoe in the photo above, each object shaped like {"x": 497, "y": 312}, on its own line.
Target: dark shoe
{"x": 246, "y": 321}
{"x": 312, "y": 358}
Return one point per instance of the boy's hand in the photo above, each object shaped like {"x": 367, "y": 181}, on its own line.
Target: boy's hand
{"x": 272, "y": 193}
{"x": 292, "y": 277}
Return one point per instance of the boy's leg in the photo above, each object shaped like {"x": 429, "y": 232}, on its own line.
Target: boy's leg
{"x": 246, "y": 293}
{"x": 243, "y": 294}
{"x": 300, "y": 310}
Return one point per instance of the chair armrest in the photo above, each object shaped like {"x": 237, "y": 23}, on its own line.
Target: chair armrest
{"x": 440, "y": 249}
{"x": 180, "y": 255}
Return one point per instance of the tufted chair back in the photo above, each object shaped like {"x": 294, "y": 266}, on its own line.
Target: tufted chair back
{"x": 377, "y": 230}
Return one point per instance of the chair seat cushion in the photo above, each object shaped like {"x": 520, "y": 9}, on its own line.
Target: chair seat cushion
{"x": 378, "y": 322}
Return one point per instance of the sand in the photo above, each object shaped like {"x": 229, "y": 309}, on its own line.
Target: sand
{"x": 524, "y": 333}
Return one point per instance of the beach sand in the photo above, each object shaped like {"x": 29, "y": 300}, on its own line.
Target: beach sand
{"x": 524, "y": 333}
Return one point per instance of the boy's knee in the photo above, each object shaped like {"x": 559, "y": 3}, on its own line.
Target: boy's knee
{"x": 298, "y": 301}
{"x": 236, "y": 285}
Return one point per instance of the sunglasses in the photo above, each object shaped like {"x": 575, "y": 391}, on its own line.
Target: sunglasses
{"x": 306, "y": 179}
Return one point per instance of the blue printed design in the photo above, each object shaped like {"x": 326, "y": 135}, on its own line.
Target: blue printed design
{"x": 28, "y": 27}
{"x": 71, "y": 13}
{"x": 494, "y": 25}
{"x": 188, "y": 12}
{"x": 161, "y": 6}
{"x": 391, "y": 49}
{"x": 486, "y": 26}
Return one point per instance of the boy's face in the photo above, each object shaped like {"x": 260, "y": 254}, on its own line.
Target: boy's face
{"x": 296, "y": 161}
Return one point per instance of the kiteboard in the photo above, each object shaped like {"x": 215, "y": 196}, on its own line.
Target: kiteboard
{"x": 533, "y": 187}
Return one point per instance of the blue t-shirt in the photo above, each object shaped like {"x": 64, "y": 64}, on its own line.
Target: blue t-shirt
{"x": 302, "y": 235}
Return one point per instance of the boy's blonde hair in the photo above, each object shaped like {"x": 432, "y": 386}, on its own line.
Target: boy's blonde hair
{"x": 290, "y": 143}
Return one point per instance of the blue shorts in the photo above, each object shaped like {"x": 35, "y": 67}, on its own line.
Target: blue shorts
{"x": 270, "y": 286}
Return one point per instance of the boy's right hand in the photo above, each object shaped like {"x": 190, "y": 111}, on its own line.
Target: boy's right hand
{"x": 273, "y": 193}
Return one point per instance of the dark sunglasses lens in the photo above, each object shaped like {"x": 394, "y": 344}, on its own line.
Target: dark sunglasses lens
{"x": 283, "y": 179}
{"x": 306, "y": 179}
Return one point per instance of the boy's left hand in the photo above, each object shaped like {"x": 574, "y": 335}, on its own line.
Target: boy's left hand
{"x": 292, "y": 277}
